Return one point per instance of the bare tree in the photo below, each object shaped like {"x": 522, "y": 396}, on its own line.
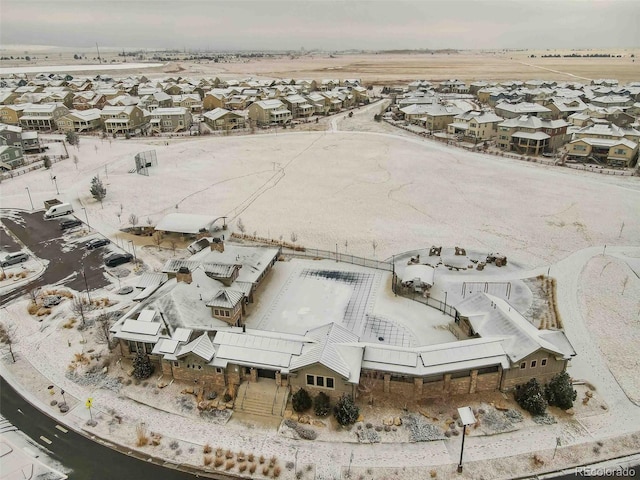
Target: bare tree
{"x": 241, "y": 226}
{"x": 102, "y": 333}
{"x": 79, "y": 306}
{"x": 294, "y": 237}
{"x": 133, "y": 220}
{"x": 7, "y": 336}
{"x": 374, "y": 244}
{"x": 76, "y": 161}
{"x": 173, "y": 243}
{"x": 158, "y": 238}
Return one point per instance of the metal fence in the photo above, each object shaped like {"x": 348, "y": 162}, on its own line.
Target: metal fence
{"x": 431, "y": 302}
{"x": 31, "y": 167}
{"x": 315, "y": 253}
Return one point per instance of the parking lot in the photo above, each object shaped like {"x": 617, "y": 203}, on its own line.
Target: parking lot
{"x": 63, "y": 253}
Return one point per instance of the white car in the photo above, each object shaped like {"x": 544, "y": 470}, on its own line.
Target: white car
{"x": 13, "y": 258}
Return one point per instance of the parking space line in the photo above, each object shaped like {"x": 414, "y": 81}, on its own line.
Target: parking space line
{"x": 45, "y": 439}
{"x": 62, "y": 429}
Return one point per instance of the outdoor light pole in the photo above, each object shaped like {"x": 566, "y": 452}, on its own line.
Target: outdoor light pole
{"x": 55, "y": 181}
{"x": 86, "y": 216}
{"x": 467, "y": 418}
{"x": 133, "y": 246}
{"x": 86, "y": 285}
{"x": 29, "y": 193}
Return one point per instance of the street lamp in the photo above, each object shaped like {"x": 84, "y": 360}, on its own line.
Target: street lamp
{"x": 55, "y": 181}
{"x": 86, "y": 216}
{"x": 467, "y": 418}
{"x": 29, "y": 193}
{"x": 86, "y": 285}
{"x": 133, "y": 246}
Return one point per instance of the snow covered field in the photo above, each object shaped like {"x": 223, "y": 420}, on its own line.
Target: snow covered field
{"x": 406, "y": 194}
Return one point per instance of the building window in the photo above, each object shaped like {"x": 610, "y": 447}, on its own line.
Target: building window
{"x": 543, "y": 362}
{"x": 226, "y": 313}
{"x": 216, "y": 312}
{"x": 620, "y": 151}
{"x": 523, "y": 365}
{"x": 218, "y": 370}
{"x": 320, "y": 381}
{"x": 176, "y": 364}
{"x": 534, "y": 363}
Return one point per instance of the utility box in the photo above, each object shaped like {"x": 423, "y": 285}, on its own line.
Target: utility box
{"x": 50, "y": 203}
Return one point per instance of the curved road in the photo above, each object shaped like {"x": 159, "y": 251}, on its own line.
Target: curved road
{"x": 88, "y": 459}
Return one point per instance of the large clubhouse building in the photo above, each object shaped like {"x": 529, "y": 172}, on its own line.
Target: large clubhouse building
{"x": 191, "y": 321}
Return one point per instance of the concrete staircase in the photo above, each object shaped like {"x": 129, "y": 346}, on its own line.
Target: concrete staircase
{"x": 262, "y": 398}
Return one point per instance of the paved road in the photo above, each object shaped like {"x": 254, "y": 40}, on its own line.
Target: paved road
{"x": 48, "y": 242}
{"x": 88, "y": 459}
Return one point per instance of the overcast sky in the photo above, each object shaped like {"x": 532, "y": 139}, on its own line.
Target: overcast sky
{"x": 320, "y": 24}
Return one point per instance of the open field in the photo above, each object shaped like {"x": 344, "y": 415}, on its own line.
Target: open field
{"x": 381, "y": 68}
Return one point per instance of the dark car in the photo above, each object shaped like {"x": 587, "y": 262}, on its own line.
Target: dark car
{"x": 13, "y": 258}
{"x": 97, "y": 243}
{"x": 70, "y": 223}
{"x": 118, "y": 259}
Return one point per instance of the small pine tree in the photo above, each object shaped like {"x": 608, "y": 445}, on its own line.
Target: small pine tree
{"x": 72, "y": 138}
{"x": 560, "y": 392}
{"x": 301, "y": 400}
{"x": 322, "y": 405}
{"x": 142, "y": 367}
{"x": 46, "y": 162}
{"x": 346, "y": 411}
{"x": 97, "y": 189}
{"x": 531, "y": 397}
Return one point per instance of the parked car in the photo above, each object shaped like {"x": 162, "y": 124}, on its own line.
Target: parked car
{"x": 70, "y": 223}
{"x": 13, "y": 258}
{"x": 118, "y": 259}
{"x": 97, "y": 243}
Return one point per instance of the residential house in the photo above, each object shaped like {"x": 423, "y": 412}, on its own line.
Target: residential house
{"x": 190, "y": 101}
{"x": 156, "y": 100}
{"x": 615, "y": 153}
{"x": 12, "y": 135}
{"x": 123, "y": 120}
{"x": 438, "y": 117}
{"x": 10, "y": 157}
{"x": 564, "y": 107}
{"x": 515, "y": 110}
{"x": 319, "y": 102}
{"x": 174, "y": 119}
{"x": 298, "y": 106}
{"x": 475, "y": 125}
{"x": 267, "y": 112}
{"x": 213, "y": 100}
{"x": 42, "y": 117}
{"x": 88, "y": 100}
{"x": 530, "y": 135}
{"x": 222, "y": 119}
{"x": 80, "y": 121}
{"x": 612, "y": 101}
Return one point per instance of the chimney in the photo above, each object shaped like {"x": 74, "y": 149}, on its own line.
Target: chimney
{"x": 217, "y": 245}
{"x": 184, "y": 275}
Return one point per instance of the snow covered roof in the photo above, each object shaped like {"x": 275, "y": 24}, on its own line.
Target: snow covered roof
{"x": 522, "y": 107}
{"x": 606, "y": 142}
{"x": 436, "y": 359}
{"x": 424, "y": 273}
{"x": 185, "y": 222}
{"x": 218, "y": 113}
{"x": 200, "y": 346}
{"x": 327, "y": 352}
{"x": 531, "y": 135}
{"x": 254, "y": 260}
{"x": 491, "y": 316}
{"x": 225, "y": 298}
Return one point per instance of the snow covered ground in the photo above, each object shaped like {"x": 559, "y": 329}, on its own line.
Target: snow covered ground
{"x": 406, "y": 194}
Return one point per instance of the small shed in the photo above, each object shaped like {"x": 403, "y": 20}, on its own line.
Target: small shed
{"x": 185, "y": 223}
